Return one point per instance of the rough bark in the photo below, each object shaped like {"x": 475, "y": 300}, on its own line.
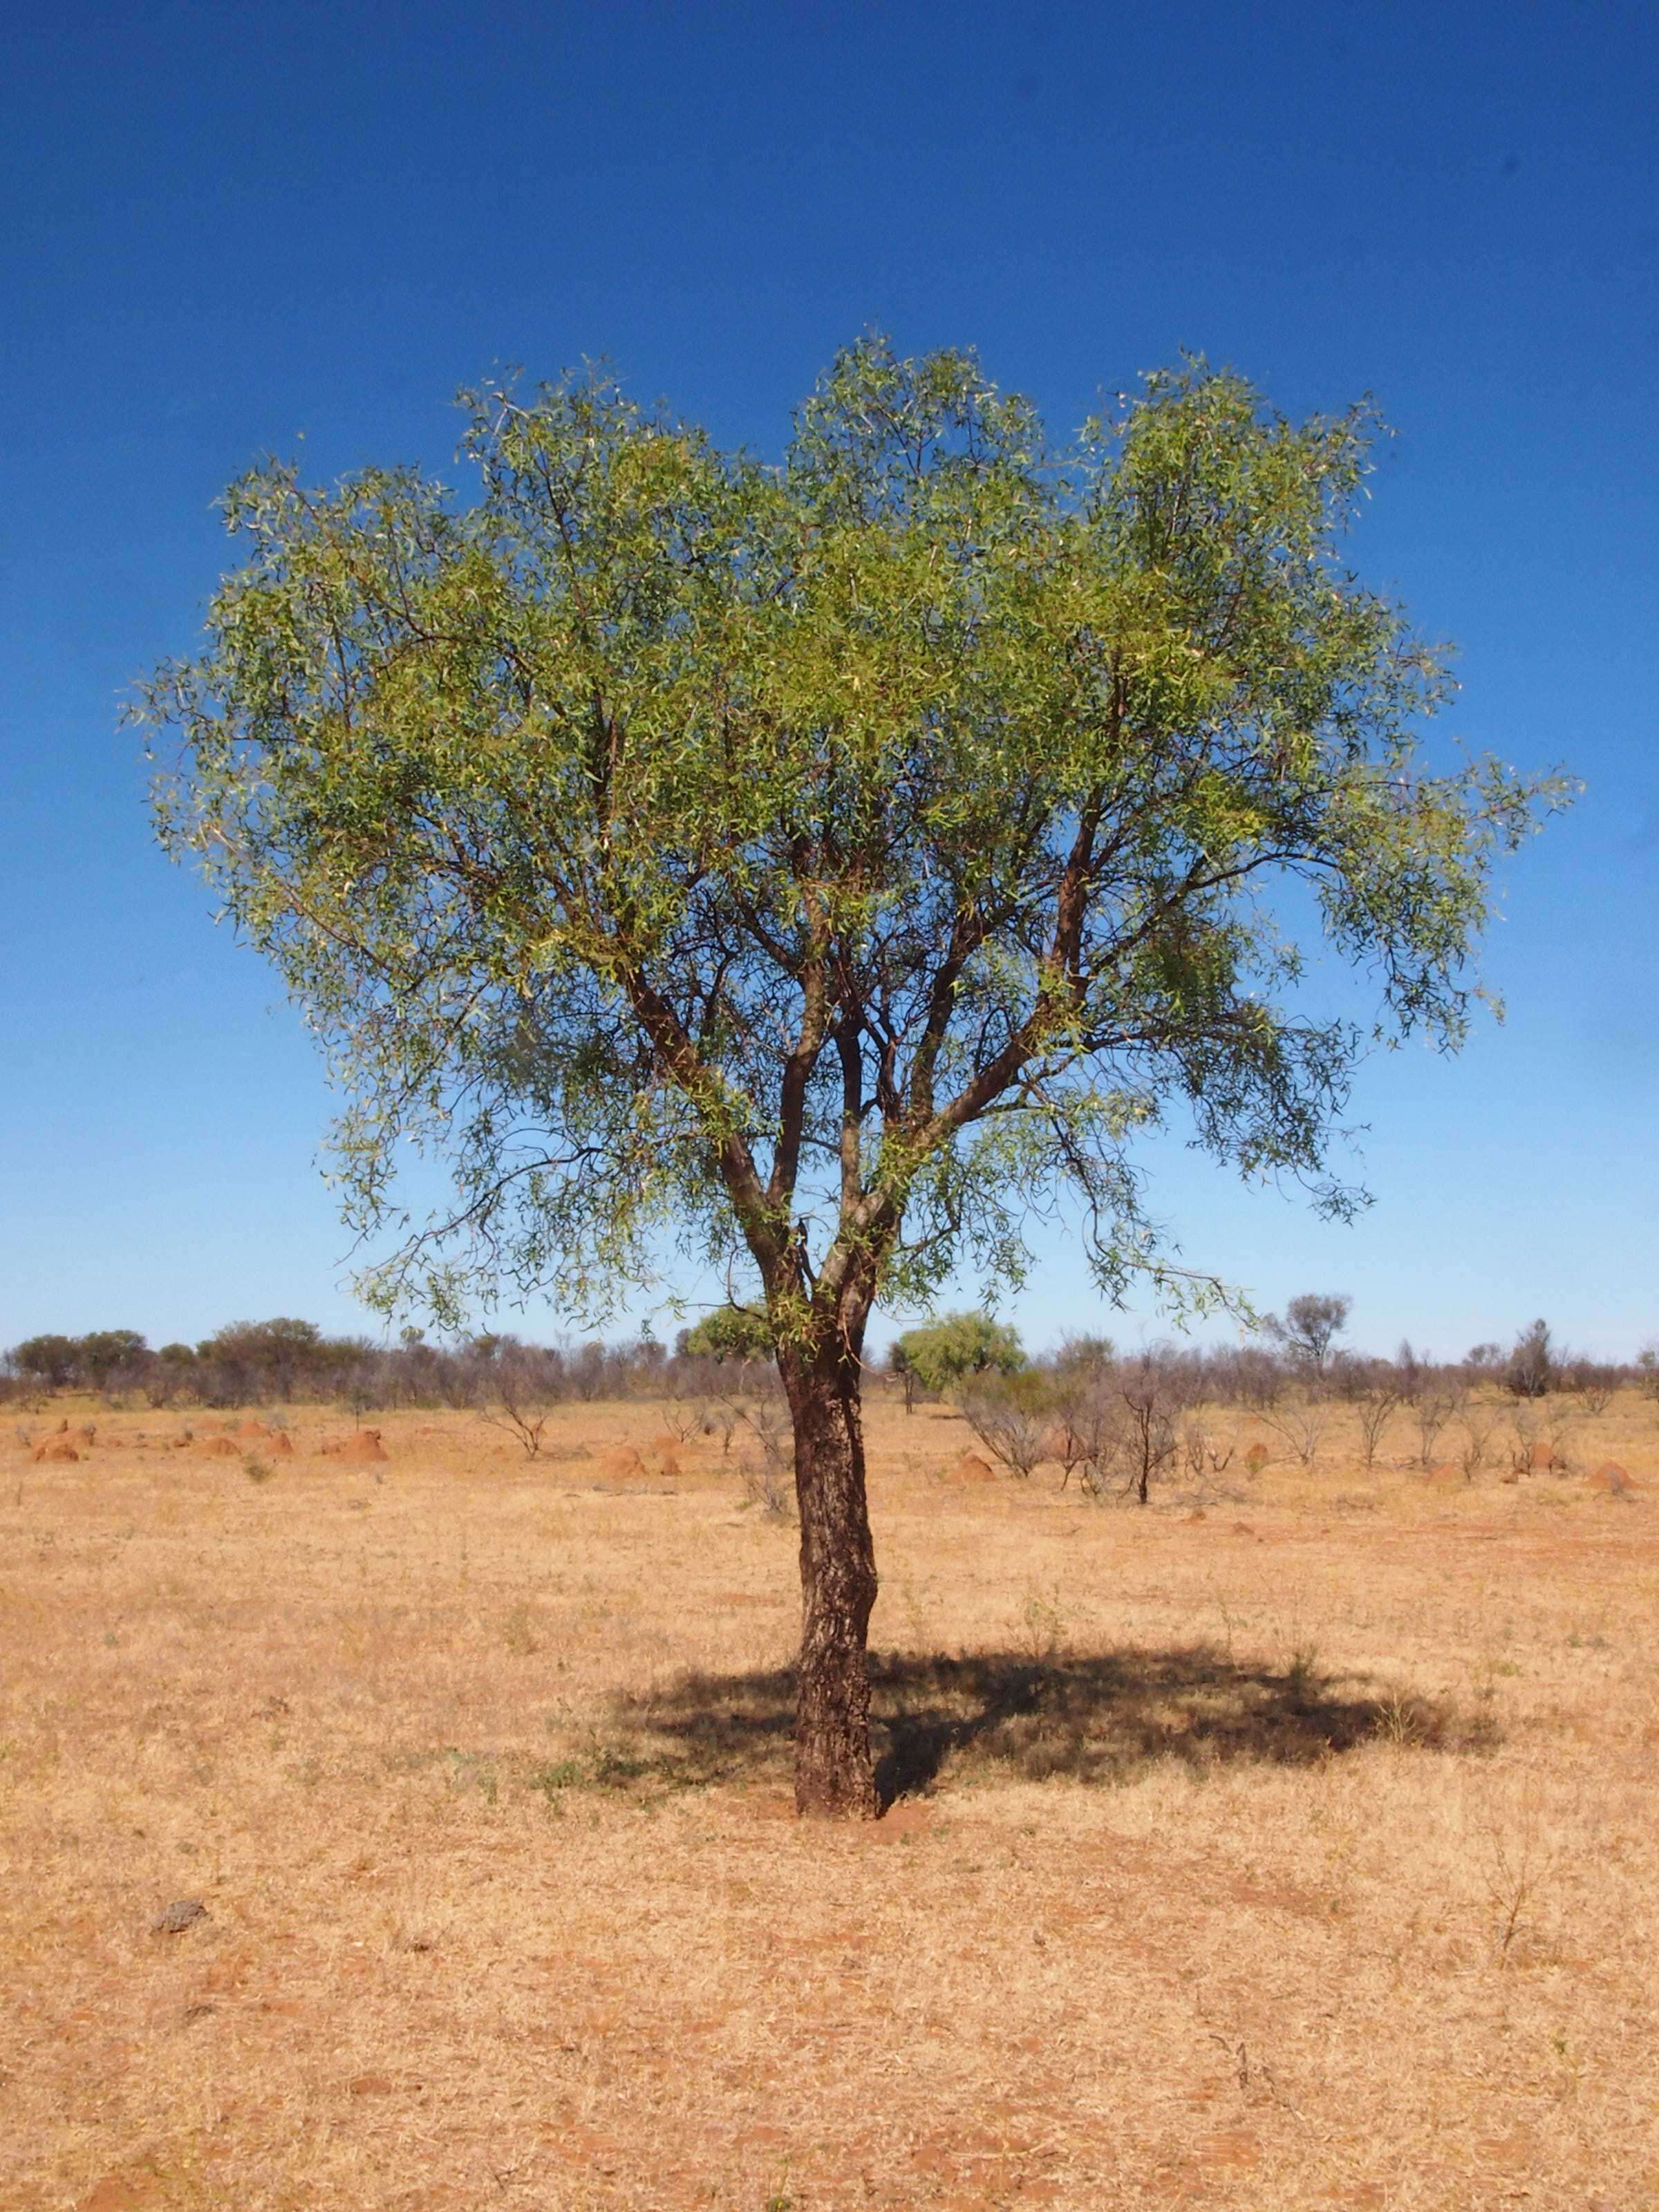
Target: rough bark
{"x": 835, "y": 1774}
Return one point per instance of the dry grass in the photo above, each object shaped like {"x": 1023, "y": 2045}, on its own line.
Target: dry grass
{"x": 1299, "y": 1854}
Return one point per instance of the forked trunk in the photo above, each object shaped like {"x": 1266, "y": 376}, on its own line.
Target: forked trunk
{"x": 834, "y": 1775}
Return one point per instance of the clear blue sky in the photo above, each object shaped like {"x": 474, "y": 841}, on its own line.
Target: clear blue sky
{"x": 222, "y": 228}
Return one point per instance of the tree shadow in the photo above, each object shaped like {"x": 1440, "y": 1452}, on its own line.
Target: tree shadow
{"x": 1097, "y": 1718}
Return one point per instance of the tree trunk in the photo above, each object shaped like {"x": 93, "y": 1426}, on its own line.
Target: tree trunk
{"x": 835, "y": 1774}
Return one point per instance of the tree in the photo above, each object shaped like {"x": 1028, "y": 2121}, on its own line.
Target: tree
{"x": 92, "y": 1362}
{"x": 48, "y": 1360}
{"x": 942, "y": 1353}
{"x": 105, "y": 1352}
{"x": 898, "y": 1363}
{"x": 1531, "y": 1370}
{"x": 826, "y": 863}
{"x": 264, "y": 1358}
{"x": 733, "y": 1332}
{"x": 171, "y": 1370}
{"x": 1310, "y": 1325}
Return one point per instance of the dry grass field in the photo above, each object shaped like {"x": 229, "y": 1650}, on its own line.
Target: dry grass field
{"x": 1290, "y": 1844}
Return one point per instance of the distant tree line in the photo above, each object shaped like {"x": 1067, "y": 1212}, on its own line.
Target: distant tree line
{"x": 1292, "y": 1367}
{"x": 287, "y": 1361}
{"x": 1121, "y": 1420}
{"x": 1294, "y": 1350}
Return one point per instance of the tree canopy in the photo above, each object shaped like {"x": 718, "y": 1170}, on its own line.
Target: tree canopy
{"x": 1310, "y": 1326}
{"x": 825, "y": 863}
{"x": 825, "y": 859}
{"x": 945, "y": 1351}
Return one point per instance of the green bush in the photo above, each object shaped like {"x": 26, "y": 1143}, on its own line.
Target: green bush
{"x": 945, "y": 1353}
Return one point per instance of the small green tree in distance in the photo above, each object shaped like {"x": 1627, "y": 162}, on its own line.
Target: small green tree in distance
{"x": 50, "y": 1360}
{"x": 729, "y": 1332}
{"x": 826, "y": 863}
{"x": 944, "y": 1353}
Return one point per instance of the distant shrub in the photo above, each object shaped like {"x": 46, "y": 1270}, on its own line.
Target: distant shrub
{"x": 948, "y": 1351}
{"x": 1592, "y": 1382}
{"x": 1530, "y": 1372}
{"x": 1012, "y": 1416}
{"x": 730, "y": 1333}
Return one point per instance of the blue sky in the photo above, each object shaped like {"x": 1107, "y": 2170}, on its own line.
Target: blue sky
{"x": 223, "y": 230}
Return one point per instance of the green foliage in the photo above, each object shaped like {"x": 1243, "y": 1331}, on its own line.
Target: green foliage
{"x": 262, "y": 1341}
{"x": 270, "y": 1357}
{"x": 943, "y": 1354}
{"x": 826, "y": 863}
{"x": 733, "y": 1332}
{"x": 50, "y": 1360}
{"x": 1028, "y": 1389}
{"x": 104, "y": 1351}
{"x": 89, "y": 1362}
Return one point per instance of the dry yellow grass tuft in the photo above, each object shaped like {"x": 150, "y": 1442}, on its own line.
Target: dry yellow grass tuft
{"x": 1301, "y": 1854}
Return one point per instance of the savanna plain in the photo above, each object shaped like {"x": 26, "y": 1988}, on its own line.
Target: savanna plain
{"x": 1288, "y": 1841}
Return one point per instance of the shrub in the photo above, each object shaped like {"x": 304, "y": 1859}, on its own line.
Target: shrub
{"x": 520, "y": 1385}
{"x": 1012, "y": 1416}
{"x": 1374, "y": 1407}
{"x": 945, "y": 1353}
{"x": 1592, "y": 1382}
{"x": 1302, "y": 1420}
{"x": 1152, "y": 1391}
{"x": 1432, "y": 1409}
{"x": 1531, "y": 1370}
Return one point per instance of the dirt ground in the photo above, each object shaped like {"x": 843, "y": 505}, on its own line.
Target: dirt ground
{"x": 1289, "y": 1844}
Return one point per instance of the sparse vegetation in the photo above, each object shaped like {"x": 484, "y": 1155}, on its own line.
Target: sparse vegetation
{"x": 1480, "y": 1417}
{"x": 498, "y": 1755}
{"x": 1022, "y": 1405}
{"x": 1433, "y": 1408}
{"x": 1374, "y": 1404}
{"x": 1301, "y": 1418}
{"x": 1149, "y": 1390}
{"x": 1012, "y": 1416}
